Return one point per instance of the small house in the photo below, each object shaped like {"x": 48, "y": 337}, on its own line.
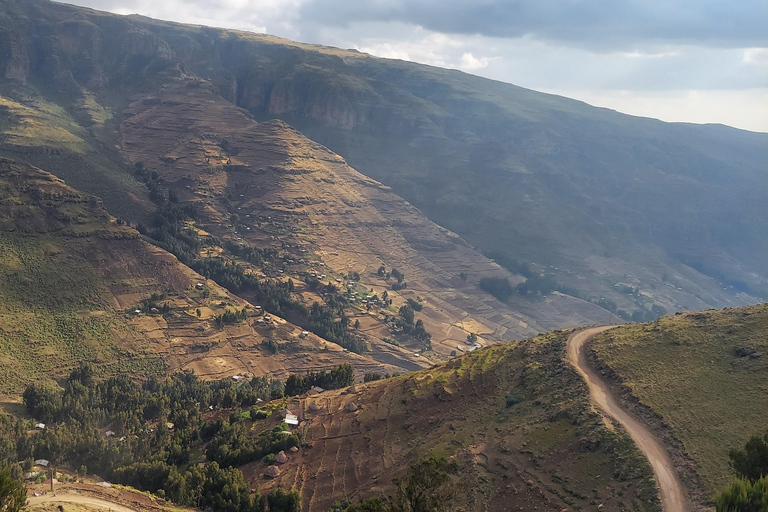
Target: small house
{"x": 42, "y": 462}
{"x": 292, "y": 419}
{"x": 40, "y": 426}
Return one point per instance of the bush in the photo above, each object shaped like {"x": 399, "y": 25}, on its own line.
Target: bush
{"x": 744, "y": 496}
{"x": 498, "y": 287}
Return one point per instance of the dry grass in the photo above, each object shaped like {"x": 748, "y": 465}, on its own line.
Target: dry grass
{"x": 705, "y": 373}
{"x": 544, "y": 451}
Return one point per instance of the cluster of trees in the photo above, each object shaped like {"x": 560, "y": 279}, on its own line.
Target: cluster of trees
{"x": 502, "y": 289}
{"x": 749, "y": 493}
{"x": 322, "y": 321}
{"x": 417, "y": 330}
{"x": 157, "y": 425}
{"x": 414, "y": 305}
{"x": 254, "y": 255}
{"x": 337, "y": 377}
{"x": 499, "y": 287}
{"x": 153, "y": 304}
{"x": 171, "y": 232}
{"x": 13, "y": 493}
{"x": 233, "y": 445}
{"x": 231, "y": 317}
{"x": 539, "y": 285}
{"x": 399, "y": 276}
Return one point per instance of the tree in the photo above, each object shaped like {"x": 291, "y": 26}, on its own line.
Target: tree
{"x": 744, "y": 496}
{"x": 472, "y": 338}
{"x": 284, "y": 501}
{"x": 13, "y": 494}
{"x": 752, "y": 462}
{"x": 425, "y": 488}
{"x": 406, "y": 313}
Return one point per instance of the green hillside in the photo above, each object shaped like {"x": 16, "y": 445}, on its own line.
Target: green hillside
{"x": 61, "y": 258}
{"x": 705, "y": 374}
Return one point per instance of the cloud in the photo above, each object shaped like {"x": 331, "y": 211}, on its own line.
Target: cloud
{"x": 597, "y": 24}
{"x": 471, "y": 63}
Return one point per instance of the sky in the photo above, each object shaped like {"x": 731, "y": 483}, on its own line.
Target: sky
{"x": 698, "y": 61}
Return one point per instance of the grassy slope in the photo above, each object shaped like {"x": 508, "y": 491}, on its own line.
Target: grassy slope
{"x": 544, "y": 448}
{"x": 546, "y": 179}
{"x": 56, "y": 307}
{"x": 705, "y": 373}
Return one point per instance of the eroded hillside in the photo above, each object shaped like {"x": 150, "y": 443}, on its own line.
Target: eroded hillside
{"x": 268, "y": 185}
{"x": 515, "y": 418}
{"x": 79, "y": 286}
{"x": 638, "y": 216}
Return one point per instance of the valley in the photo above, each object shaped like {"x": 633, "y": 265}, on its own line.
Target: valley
{"x": 246, "y": 274}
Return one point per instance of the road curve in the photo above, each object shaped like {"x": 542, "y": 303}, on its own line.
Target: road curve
{"x": 82, "y": 500}
{"x": 672, "y": 496}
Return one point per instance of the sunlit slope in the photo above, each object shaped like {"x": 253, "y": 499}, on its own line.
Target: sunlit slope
{"x": 516, "y": 418}
{"x": 704, "y": 374}
{"x": 72, "y": 278}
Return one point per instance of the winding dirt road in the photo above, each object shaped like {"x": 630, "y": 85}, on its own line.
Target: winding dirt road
{"x": 672, "y": 496}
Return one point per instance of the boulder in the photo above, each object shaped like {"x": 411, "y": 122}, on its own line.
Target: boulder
{"x": 351, "y": 407}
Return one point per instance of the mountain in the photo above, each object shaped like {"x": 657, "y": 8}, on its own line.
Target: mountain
{"x": 699, "y": 378}
{"x": 636, "y": 215}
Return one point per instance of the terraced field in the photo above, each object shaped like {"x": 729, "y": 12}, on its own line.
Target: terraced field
{"x": 72, "y": 280}
{"x": 268, "y": 185}
{"x": 516, "y": 418}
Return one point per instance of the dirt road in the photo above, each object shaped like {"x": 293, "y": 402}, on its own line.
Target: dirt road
{"x": 82, "y": 500}
{"x": 672, "y": 496}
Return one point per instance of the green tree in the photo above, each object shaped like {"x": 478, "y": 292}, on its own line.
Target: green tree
{"x": 425, "y": 488}
{"x": 752, "y": 462}
{"x": 279, "y": 500}
{"x": 13, "y": 494}
{"x": 744, "y": 496}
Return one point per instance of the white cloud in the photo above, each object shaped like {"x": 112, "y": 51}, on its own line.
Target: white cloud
{"x": 470, "y": 63}
{"x": 746, "y": 109}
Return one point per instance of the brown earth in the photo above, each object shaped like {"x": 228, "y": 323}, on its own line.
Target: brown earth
{"x": 514, "y": 416}
{"x": 95, "y": 272}
{"x": 673, "y": 495}
{"x": 95, "y": 497}
{"x": 291, "y": 193}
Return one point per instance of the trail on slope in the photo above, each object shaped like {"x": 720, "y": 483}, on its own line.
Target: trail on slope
{"x": 81, "y": 500}
{"x": 672, "y": 496}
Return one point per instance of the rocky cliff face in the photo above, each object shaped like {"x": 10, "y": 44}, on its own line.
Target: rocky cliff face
{"x": 73, "y": 49}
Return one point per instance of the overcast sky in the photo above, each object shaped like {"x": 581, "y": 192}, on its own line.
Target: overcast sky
{"x": 701, "y": 61}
